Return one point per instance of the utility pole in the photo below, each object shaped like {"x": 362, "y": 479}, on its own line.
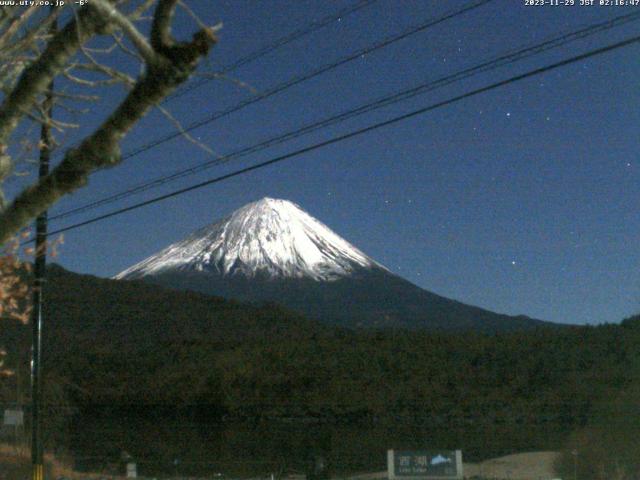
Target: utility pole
{"x": 40, "y": 267}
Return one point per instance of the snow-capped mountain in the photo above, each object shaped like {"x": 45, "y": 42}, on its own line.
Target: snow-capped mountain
{"x": 272, "y": 251}
{"x": 270, "y": 238}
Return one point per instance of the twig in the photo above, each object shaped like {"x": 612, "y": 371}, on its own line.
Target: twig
{"x": 186, "y": 134}
{"x": 138, "y": 12}
{"x": 122, "y": 22}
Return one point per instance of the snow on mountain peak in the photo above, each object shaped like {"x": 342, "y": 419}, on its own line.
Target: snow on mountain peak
{"x": 270, "y": 237}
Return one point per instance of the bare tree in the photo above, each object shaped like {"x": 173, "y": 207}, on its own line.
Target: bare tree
{"x": 32, "y": 55}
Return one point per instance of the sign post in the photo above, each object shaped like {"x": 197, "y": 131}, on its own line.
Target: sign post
{"x": 424, "y": 465}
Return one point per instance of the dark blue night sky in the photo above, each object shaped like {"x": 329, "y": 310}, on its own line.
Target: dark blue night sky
{"x": 523, "y": 200}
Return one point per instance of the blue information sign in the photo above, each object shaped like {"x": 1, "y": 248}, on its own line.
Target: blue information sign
{"x": 405, "y": 464}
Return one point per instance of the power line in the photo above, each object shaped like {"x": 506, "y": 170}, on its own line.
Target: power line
{"x": 488, "y": 65}
{"x": 376, "y": 126}
{"x": 280, "y": 42}
{"x": 498, "y": 61}
{"x": 304, "y": 77}
{"x": 309, "y": 75}
{"x": 296, "y": 34}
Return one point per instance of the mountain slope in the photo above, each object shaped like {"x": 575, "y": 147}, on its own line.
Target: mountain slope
{"x": 116, "y": 343}
{"x": 86, "y": 308}
{"x": 272, "y": 251}
{"x": 369, "y": 299}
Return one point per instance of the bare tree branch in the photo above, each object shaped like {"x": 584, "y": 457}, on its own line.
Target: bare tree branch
{"x": 132, "y": 53}
{"x": 173, "y": 63}
{"x": 76, "y": 96}
{"x": 184, "y": 133}
{"x": 115, "y": 17}
{"x": 36, "y": 77}
{"x": 10, "y": 46}
{"x": 140, "y": 11}
{"x": 161, "y": 38}
{"x": 113, "y": 74}
{"x": 15, "y": 24}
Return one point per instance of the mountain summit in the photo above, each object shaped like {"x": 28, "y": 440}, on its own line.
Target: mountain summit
{"x": 272, "y": 251}
{"x": 270, "y": 238}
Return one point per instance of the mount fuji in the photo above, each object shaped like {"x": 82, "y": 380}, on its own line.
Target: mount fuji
{"x": 273, "y": 251}
{"x": 269, "y": 238}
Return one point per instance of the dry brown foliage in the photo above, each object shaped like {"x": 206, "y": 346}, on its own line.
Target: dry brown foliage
{"x": 14, "y": 290}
